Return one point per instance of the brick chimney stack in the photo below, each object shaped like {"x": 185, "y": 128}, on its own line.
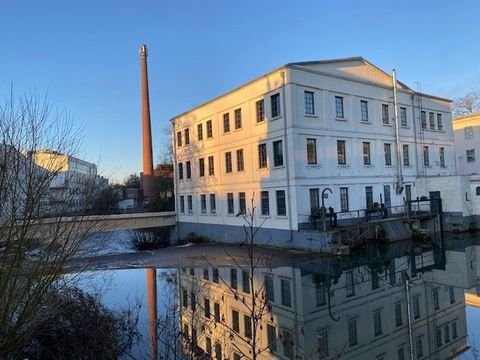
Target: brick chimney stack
{"x": 147, "y": 177}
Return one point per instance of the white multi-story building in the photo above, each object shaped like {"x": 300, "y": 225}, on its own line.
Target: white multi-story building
{"x": 278, "y": 142}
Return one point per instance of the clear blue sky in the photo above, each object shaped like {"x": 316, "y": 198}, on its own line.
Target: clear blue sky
{"x": 85, "y": 54}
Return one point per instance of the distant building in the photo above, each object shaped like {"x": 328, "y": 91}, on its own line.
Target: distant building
{"x": 467, "y": 144}
{"x": 284, "y": 138}
{"x": 75, "y": 183}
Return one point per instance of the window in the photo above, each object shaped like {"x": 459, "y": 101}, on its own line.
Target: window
{"x": 349, "y": 284}
{"x": 240, "y": 163}
{"x": 398, "y": 314}
{"x": 451, "y": 294}
{"x": 182, "y": 204}
{"x": 201, "y": 167}
{"x": 366, "y": 153}
{"x": 436, "y": 302}
{"x": 286, "y": 293}
{"x": 454, "y": 330}
{"x": 189, "y": 169}
{"x": 272, "y": 337}
{"x": 403, "y": 116}
{"x": 203, "y": 203}
{"x": 400, "y": 353}
{"x": 209, "y": 129}
{"x": 387, "y": 150}
{"x": 238, "y": 118}
{"x": 190, "y": 204}
{"x": 368, "y": 196}
{"x": 218, "y": 351}
{"x": 377, "y": 322}
{"x": 352, "y": 332}
{"x": 314, "y": 199}
{"x": 323, "y": 344}
{"x": 260, "y": 108}
{"x": 374, "y": 279}
{"x": 416, "y": 306}
{"x": 275, "y": 101}
{"x": 288, "y": 344}
{"x": 211, "y": 166}
{"x": 228, "y": 162}
{"x": 200, "y": 132}
{"x": 406, "y": 157}
{"x": 247, "y": 326}
{"x": 193, "y": 303}
{"x": 364, "y": 110}
{"x": 339, "y": 107}
{"x": 180, "y": 171}
{"x": 205, "y": 274}
{"x": 344, "y": 199}
{"x": 216, "y": 312}
{"x": 477, "y": 191}
{"x": 468, "y": 132}
{"x": 213, "y": 204}
{"x": 470, "y": 155}
{"x": 438, "y": 336}
{"x": 235, "y": 321}
{"x": 269, "y": 289}
{"x": 245, "y": 282}
{"x": 208, "y": 345}
{"x": 311, "y": 151}
{"x": 179, "y": 138}
{"x": 187, "y": 136}
{"x": 192, "y": 272}
{"x": 446, "y": 333}
{"x": 206, "y": 307}
{"x": 277, "y": 153}
{"x": 426, "y": 159}
{"x": 439, "y": 122}
{"x": 419, "y": 346}
{"x": 242, "y": 204}
{"x": 215, "y": 275}
{"x": 265, "y": 204}
{"x": 262, "y": 156}
{"x": 442, "y": 156}
{"x": 281, "y": 206}
{"x": 184, "y": 298}
{"x": 230, "y": 206}
{"x": 226, "y": 122}
{"x": 341, "y": 154}
{"x": 309, "y": 103}
{"x": 431, "y": 120}
{"x": 233, "y": 279}
{"x": 320, "y": 293}
{"x": 385, "y": 115}
{"x": 423, "y": 118}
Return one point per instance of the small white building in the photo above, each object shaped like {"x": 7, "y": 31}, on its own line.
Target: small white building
{"x": 278, "y": 142}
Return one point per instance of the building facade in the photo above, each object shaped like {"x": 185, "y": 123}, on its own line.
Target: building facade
{"x": 74, "y": 184}
{"x": 302, "y": 137}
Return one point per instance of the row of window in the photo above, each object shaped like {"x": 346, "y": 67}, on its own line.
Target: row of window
{"x": 432, "y": 124}
{"x": 230, "y": 204}
{"x": 312, "y": 158}
{"x": 275, "y": 109}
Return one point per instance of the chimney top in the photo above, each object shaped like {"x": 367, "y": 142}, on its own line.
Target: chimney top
{"x": 143, "y": 50}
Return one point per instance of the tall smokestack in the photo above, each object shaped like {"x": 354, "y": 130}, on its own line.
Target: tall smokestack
{"x": 147, "y": 178}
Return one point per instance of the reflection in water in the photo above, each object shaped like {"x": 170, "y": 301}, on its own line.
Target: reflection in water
{"x": 401, "y": 302}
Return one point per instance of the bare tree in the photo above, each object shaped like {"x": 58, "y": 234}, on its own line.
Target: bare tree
{"x": 467, "y": 104}
{"x": 34, "y": 249}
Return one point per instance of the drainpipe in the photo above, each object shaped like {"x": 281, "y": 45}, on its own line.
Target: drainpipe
{"x": 415, "y": 134}
{"x": 175, "y": 180}
{"x": 397, "y": 135}
{"x": 287, "y": 163}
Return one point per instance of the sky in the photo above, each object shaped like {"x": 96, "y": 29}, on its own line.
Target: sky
{"x": 85, "y": 55}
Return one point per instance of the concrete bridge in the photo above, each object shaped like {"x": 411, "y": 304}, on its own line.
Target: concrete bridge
{"x": 101, "y": 223}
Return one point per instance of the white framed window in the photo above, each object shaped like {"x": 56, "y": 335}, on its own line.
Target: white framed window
{"x": 281, "y": 204}
{"x": 240, "y": 162}
{"x": 339, "y": 113}
{"x": 199, "y": 132}
{"x": 203, "y": 203}
{"x": 211, "y": 166}
{"x": 311, "y": 151}
{"x": 426, "y": 157}
{"x": 275, "y": 103}
{"x": 423, "y": 119}
{"x": 238, "y": 118}
{"x": 341, "y": 153}
{"x": 209, "y": 129}
{"x": 385, "y": 114}
{"x": 226, "y": 122}
{"x": 470, "y": 154}
{"x": 441, "y": 151}
{"x": 364, "y": 110}
{"x": 230, "y": 205}
{"x": 344, "y": 199}
{"x": 387, "y": 150}
{"x": 213, "y": 204}
{"x": 265, "y": 203}
{"x": 366, "y": 153}
{"x": 403, "y": 117}
{"x": 260, "y": 110}
{"x": 262, "y": 156}
{"x": 431, "y": 119}
{"x": 228, "y": 162}
{"x": 277, "y": 153}
{"x": 406, "y": 156}
{"x": 201, "y": 167}
{"x": 309, "y": 102}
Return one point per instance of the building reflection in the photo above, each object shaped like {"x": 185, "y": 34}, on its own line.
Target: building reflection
{"x": 392, "y": 304}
